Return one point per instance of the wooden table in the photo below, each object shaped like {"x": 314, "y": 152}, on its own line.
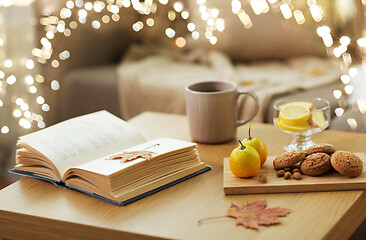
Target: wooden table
{"x": 33, "y": 209}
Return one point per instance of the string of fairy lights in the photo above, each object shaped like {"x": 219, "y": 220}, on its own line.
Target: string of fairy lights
{"x": 96, "y": 13}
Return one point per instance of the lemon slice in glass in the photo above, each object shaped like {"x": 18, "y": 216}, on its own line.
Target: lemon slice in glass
{"x": 317, "y": 119}
{"x": 307, "y": 105}
{"x": 294, "y": 115}
{"x": 300, "y": 128}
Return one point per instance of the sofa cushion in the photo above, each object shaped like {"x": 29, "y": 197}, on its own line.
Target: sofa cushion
{"x": 88, "y": 90}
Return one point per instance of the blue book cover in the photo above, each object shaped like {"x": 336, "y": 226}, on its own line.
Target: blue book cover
{"x": 148, "y": 193}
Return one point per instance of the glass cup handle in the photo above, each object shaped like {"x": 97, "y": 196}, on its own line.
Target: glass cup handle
{"x": 252, "y": 94}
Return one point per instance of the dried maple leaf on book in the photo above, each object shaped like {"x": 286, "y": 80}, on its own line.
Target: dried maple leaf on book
{"x": 130, "y": 156}
{"x": 251, "y": 215}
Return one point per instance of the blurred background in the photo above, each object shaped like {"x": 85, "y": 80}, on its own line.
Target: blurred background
{"x": 66, "y": 58}
{"x": 61, "y": 59}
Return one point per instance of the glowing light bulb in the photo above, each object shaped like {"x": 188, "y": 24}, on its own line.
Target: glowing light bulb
{"x": 32, "y": 89}
{"x": 40, "y": 100}
{"x": 299, "y": 17}
{"x": 39, "y": 118}
{"x": 60, "y": 28}
{"x": 96, "y": 24}
{"x": 114, "y": 9}
{"x": 180, "y": 42}
{"x": 73, "y": 25}
{"x": 150, "y": 22}
{"x": 50, "y": 35}
{"x": 29, "y": 64}
{"x": 55, "y": 85}
{"x": 361, "y": 105}
{"x": 82, "y": 13}
{"x": 191, "y": 27}
{"x": 17, "y": 113}
{"x": 64, "y": 55}
{"x": 322, "y": 31}
{"x": 171, "y": 15}
{"x": 213, "y": 40}
{"x": 353, "y": 72}
{"x": 79, "y": 3}
{"x": 352, "y": 123}
{"x": 45, "y": 107}
{"x": 4, "y": 130}
{"x": 55, "y": 63}
{"x": 27, "y": 114}
{"x": 178, "y": 6}
{"x": 65, "y": 13}
{"x": 29, "y": 80}
{"x": 339, "y": 111}
{"x": 286, "y": 11}
{"x": 337, "y": 94}
{"x": 185, "y": 15}
{"x": 220, "y": 24}
{"x": 327, "y": 40}
{"x": 195, "y": 35}
{"x": 235, "y": 6}
{"x": 115, "y": 17}
{"x": 348, "y": 89}
{"x": 8, "y": 63}
{"x": 41, "y": 124}
{"x": 39, "y": 78}
{"x": 345, "y": 79}
{"x": 11, "y": 79}
{"x": 46, "y": 43}
{"x": 170, "y": 32}
{"x": 136, "y": 27}
{"x": 127, "y": 3}
{"x": 19, "y": 101}
{"x": 98, "y": 6}
{"x": 361, "y": 42}
{"x": 70, "y": 4}
{"x": 106, "y": 19}
{"x": 345, "y": 40}
{"x": 24, "y": 107}
{"x": 88, "y": 6}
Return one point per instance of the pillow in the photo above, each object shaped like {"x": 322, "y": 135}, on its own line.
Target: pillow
{"x": 271, "y": 36}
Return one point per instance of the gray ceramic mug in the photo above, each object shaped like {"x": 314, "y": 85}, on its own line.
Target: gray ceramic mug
{"x": 212, "y": 109}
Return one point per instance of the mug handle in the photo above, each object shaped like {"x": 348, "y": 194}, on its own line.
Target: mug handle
{"x": 252, "y": 94}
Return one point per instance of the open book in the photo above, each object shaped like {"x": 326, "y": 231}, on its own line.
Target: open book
{"x": 101, "y": 155}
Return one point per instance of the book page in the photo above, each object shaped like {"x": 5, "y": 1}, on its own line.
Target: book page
{"x": 159, "y": 146}
{"x": 82, "y": 139}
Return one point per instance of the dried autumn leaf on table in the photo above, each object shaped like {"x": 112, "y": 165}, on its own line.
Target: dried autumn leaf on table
{"x": 130, "y": 156}
{"x": 254, "y": 214}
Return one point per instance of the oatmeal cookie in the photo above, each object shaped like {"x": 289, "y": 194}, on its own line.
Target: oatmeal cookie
{"x": 321, "y": 147}
{"x": 347, "y": 163}
{"x": 288, "y": 159}
{"x": 315, "y": 164}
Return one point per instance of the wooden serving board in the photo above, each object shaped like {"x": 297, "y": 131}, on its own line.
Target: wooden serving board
{"x": 331, "y": 181}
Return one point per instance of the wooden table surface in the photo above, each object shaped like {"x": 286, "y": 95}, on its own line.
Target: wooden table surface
{"x": 33, "y": 209}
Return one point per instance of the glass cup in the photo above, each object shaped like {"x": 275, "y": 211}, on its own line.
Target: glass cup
{"x": 301, "y": 117}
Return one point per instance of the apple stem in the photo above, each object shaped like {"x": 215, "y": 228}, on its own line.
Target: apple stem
{"x": 242, "y": 146}
{"x": 250, "y": 126}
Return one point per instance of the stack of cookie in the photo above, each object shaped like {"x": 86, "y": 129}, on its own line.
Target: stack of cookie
{"x": 319, "y": 159}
